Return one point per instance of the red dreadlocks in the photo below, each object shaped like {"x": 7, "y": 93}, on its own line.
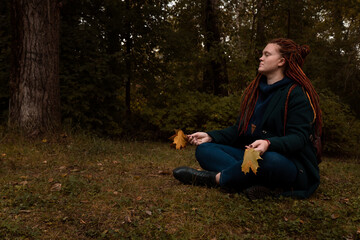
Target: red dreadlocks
{"x": 294, "y": 55}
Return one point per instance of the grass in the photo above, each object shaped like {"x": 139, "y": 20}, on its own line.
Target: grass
{"x": 82, "y": 187}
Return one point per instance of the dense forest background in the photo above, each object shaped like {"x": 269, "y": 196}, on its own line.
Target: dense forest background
{"x": 141, "y": 69}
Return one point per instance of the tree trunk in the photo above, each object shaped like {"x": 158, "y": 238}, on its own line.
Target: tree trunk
{"x": 34, "y": 82}
{"x": 215, "y": 73}
{"x": 128, "y": 64}
{"x": 289, "y": 19}
{"x": 260, "y": 29}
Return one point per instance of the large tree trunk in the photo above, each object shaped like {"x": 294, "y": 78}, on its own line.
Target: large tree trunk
{"x": 215, "y": 74}
{"x": 34, "y": 82}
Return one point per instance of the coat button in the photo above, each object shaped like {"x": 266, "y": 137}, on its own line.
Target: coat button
{"x": 264, "y": 132}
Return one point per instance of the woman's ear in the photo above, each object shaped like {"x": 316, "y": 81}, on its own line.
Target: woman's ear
{"x": 281, "y": 62}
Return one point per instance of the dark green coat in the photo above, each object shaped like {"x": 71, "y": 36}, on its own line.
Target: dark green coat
{"x": 295, "y": 144}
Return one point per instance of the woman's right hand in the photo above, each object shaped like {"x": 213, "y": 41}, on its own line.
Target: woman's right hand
{"x": 199, "y": 138}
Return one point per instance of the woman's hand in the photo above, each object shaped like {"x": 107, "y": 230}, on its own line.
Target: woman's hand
{"x": 199, "y": 138}
{"x": 260, "y": 145}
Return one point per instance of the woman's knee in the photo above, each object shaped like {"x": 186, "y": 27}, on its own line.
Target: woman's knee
{"x": 277, "y": 167}
{"x": 202, "y": 149}
{"x": 275, "y": 160}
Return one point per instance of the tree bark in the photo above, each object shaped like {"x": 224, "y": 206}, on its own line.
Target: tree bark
{"x": 289, "y": 19}
{"x": 128, "y": 60}
{"x": 215, "y": 73}
{"x": 260, "y": 29}
{"x": 34, "y": 81}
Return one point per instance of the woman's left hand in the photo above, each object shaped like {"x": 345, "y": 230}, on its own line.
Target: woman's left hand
{"x": 259, "y": 145}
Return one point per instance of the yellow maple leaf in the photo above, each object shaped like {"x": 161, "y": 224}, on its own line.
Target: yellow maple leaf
{"x": 251, "y": 157}
{"x": 179, "y": 139}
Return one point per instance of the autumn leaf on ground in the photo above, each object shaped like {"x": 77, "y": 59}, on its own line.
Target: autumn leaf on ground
{"x": 56, "y": 187}
{"x": 251, "y": 157}
{"x": 179, "y": 139}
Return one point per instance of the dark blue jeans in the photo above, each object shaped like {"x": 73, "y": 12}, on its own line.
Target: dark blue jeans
{"x": 275, "y": 170}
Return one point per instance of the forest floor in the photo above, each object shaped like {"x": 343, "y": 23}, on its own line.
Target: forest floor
{"x": 82, "y": 187}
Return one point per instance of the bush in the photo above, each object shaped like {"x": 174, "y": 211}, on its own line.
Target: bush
{"x": 194, "y": 111}
{"x": 341, "y": 129}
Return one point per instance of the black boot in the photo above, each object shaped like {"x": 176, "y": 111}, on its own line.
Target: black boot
{"x": 191, "y": 176}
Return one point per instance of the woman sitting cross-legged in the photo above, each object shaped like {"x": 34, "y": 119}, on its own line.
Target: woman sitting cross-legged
{"x": 279, "y": 117}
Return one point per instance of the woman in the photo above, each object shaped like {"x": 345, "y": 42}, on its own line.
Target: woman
{"x": 279, "y": 117}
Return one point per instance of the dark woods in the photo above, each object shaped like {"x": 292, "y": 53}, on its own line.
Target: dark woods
{"x": 143, "y": 68}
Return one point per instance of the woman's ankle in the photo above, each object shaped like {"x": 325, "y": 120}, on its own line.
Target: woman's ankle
{"x": 217, "y": 178}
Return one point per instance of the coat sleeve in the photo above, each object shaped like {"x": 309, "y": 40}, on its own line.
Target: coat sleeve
{"x": 299, "y": 125}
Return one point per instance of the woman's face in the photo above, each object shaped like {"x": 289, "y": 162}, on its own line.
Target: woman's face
{"x": 271, "y": 60}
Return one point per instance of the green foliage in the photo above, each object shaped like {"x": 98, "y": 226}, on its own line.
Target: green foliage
{"x": 159, "y": 46}
{"x": 89, "y": 90}
{"x": 102, "y": 46}
{"x": 193, "y": 111}
{"x": 341, "y": 128}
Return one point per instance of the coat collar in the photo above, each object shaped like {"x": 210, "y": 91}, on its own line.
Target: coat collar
{"x": 275, "y": 101}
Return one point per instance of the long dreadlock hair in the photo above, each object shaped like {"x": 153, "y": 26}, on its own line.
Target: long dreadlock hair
{"x": 294, "y": 55}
